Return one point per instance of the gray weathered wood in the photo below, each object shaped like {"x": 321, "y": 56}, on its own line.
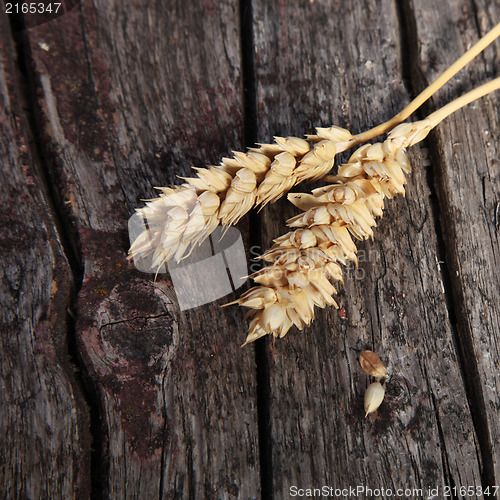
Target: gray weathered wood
{"x": 44, "y": 438}
{"x": 130, "y": 98}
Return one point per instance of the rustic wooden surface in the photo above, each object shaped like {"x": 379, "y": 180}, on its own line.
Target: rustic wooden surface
{"x": 108, "y": 389}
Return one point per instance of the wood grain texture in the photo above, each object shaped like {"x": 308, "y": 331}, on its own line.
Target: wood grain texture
{"x": 467, "y": 177}
{"x": 130, "y": 97}
{"x": 349, "y": 73}
{"x": 44, "y": 439}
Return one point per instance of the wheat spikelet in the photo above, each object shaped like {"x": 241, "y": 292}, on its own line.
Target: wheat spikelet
{"x": 304, "y": 261}
{"x": 185, "y": 215}
{"x": 176, "y": 219}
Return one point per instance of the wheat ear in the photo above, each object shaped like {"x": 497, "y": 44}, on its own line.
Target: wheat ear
{"x": 183, "y": 216}
{"x": 304, "y": 261}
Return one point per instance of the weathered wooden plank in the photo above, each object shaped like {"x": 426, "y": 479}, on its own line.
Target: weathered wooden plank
{"x": 44, "y": 439}
{"x": 131, "y": 97}
{"x": 321, "y": 63}
{"x": 466, "y": 170}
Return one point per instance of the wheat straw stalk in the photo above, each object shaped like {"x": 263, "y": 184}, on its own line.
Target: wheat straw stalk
{"x": 183, "y": 216}
{"x": 304, "y": 261}
{"x": 429, "y": 91}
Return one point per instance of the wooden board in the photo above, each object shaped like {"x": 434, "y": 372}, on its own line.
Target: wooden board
{"x": 121, "y": 98}
{"x": 129, "y": 98}
{"x": 44, "y": 438}
{"x": 465, "y": 171}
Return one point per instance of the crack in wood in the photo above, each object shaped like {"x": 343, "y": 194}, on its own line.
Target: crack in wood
{"x": 261, "y": 346}
{"x": 133, "y": 318}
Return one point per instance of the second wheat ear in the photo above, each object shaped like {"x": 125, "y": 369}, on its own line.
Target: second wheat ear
{"x": 306, "y": 260}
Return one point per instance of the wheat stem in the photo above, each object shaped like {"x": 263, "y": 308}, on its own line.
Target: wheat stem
{"x": 439, "y": 115}
{"x": 476, "y": 49}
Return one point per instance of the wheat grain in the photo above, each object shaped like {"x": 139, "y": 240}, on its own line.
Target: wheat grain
{"x": 374, "y": 396}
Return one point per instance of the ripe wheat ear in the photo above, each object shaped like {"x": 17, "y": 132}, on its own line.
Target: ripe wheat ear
{"x": 183, "y": 216}
{"x": 304, "y": 261}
